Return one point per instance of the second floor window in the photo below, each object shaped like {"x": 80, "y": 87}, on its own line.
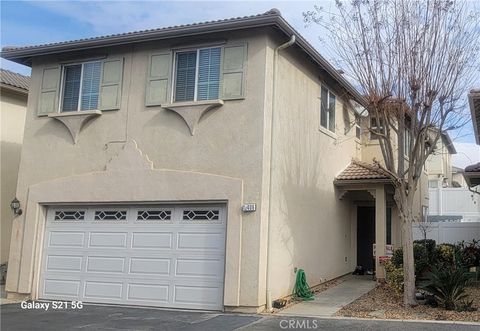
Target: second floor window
{"x": 358, "y": 127}
{"x": 327, "y": 109}
{"x": 375, "y": 127}
{"x": 81, "y": 86}
{"x": 197, "y": 74}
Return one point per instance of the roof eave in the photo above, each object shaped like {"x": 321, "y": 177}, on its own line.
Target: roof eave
{"x": 469, "y": 176}
{"x": 473, "y": 112}
{"x": 449, "y": 143}
{"x": 24, "y": 55}
{"x": 13, "y": 88}
{"x": 349, "y": 182}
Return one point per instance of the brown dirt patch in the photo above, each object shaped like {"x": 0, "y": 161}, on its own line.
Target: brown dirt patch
{"x": 381, "y": 302}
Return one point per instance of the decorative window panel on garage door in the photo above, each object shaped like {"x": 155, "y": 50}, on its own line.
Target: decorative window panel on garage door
{"x": 164, "y": 256}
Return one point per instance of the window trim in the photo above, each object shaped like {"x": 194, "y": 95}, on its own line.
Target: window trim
{"x": 358, "y": 127}
{"x": 329, "y": 91}
{"x": 174, "y": 72}
{"x": 372, "y": 134}
{"x": 406, "y": 142}
{"x": 62, "y": 85}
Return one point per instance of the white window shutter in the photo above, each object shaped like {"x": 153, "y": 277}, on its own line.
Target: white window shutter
{"x": 233, "y": 71}
{"x": 48, "y": 99}
{"x": 158, "y": 78}
{"x": 111, "y": 84}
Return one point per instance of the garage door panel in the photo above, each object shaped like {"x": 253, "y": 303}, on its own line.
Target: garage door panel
{"x": 199, "y": 268}
{"x": 95, "y": 289}
{"x": 105, "y": 264}
{"x": 153, "y": 240}
{"x": 66, "y": 239}
{"x": 196, "y": 295}
{"x": 64, "y": 263}
{"x": 150, "y": 292}
{"x": 61, "y": 287}
{"x": 205, "y": 241}
{"x": 139, "y": 255}
{"x": 149, "y": 266}
{"x": 108, "y": 240}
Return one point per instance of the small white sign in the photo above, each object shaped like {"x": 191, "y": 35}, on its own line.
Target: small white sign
{"x": 388, "y": 250}
{"x": 249, "y": 207}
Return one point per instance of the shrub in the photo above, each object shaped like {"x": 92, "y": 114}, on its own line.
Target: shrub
{"x": 422, "y": 262}
{"x": 468, "y": 254}
{"x": 397, "y": 258}
{"x": 445, "y": 254}
{"x": 448, "y": 286}
{"x": 428, "y": 244}
{"x": 394, "y": 277}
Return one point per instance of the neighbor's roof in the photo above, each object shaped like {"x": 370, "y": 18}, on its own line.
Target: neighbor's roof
{"x": 473, "y": 168}
{"x": 13, "y": 79}
{"x": 472, "y": 175}
{"x": 448, "y": 143}
{"x": 360, "y": 171}
{"x": 474, "y": 101}
{"x": 270, "y": 18}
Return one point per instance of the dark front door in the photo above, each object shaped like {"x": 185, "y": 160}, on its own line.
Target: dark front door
{"x": 365, "y": 236}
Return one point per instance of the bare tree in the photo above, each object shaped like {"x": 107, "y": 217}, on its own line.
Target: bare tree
{"x": 413, "y": 60}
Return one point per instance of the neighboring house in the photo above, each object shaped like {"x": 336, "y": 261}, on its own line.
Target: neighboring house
{"x": 194, "y": 166}
{"x": 448, "y": 199}
{"x": 13, "y": 99}
{"x": 458, "y": 178}
{"x": 439, "y": 164}
{"x": 472, "y": 172}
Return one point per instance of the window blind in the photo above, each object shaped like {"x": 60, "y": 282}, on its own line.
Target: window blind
{"x": 71, "y": 87}
{"x": 208, "y": 74}
{"x": 185, "y": 76}
{"x": 91, "y": 85}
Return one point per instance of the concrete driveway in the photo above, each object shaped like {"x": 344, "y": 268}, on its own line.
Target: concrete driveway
{"x": 94, "y": 317}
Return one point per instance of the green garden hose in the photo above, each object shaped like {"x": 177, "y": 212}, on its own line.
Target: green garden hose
{"x": 301, "y": 290}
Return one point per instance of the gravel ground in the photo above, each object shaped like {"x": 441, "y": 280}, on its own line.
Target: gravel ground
{"x": 381, "y": 302}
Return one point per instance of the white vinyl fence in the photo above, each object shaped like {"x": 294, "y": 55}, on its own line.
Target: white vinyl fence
{"x": 454, "y": 202}
{"x": 449, "y": 232}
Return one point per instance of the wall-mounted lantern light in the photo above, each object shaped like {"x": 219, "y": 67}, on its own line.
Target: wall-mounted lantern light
{"x": 15, "y": 206}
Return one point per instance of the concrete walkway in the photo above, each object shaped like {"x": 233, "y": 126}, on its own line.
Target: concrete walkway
{"x": 328, "y": 302}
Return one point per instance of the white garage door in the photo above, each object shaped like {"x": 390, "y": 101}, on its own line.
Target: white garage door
{"x": 166, "y": 256}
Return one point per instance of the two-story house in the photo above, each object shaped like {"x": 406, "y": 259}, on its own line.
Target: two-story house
{"x": 195, "y": 166}
{"x": 13, "y": 105}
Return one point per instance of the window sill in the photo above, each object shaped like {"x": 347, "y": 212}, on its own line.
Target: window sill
{"x": 327, "y": 132}
{"x": 82, "y": 113}
{"x": 192, "y": 111}
{"x": 75, "y": 120}
{"x": 217, "y": 102}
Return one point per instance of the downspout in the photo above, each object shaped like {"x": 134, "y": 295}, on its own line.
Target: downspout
{"x": 269, "y": 230}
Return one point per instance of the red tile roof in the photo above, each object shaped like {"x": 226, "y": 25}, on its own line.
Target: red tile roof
{"x": 357, "y": 170}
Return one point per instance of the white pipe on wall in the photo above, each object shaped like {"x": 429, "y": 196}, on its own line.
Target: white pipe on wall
{"x": 269, "y": 230}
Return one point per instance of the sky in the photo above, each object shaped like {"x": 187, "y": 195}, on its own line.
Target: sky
{"x": 38, "y": 22}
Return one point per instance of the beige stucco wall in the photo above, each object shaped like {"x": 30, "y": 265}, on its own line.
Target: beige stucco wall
{"x": 439, "y": 164}
{"x": 12, "y": 120}
{"x": 311, "y": 227}
{"x": 228, "y": 142}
